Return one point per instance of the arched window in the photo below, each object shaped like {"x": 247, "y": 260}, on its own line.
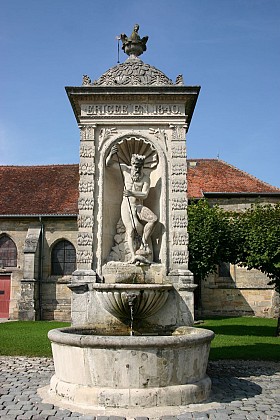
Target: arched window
{"x": 63, "y": 258}
{"x": 8, "y": 252}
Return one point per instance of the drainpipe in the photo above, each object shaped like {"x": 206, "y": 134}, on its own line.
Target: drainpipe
{"x": 40, "y": 268}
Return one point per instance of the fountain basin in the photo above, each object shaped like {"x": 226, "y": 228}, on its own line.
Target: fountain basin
{"x": 148, "y": 298}
{"x": 95, "y": 370}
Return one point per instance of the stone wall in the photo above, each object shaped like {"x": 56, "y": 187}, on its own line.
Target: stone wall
{"x": 56, "y": 299}
{"x": 244, "y": 292}
{"x": 51, "y": 291}
{"x": 17, "y": 230}
{"x": 241, "y": 202}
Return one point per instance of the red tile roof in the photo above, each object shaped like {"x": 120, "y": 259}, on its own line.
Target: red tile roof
{"x": 51, "y": 189}
{"x": 216, "y": 176}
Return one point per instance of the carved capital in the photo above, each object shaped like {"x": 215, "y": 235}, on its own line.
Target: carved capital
{"x": 178, "y": 132}
{"x": 87, "y": 132}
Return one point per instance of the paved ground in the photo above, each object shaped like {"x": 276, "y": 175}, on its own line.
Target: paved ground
{"x": 240, "y": 390}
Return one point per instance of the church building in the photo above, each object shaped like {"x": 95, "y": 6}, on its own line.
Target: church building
{"x": 39, "y": 235}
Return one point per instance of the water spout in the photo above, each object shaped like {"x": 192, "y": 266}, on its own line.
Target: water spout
{"x": 131, "y": 300}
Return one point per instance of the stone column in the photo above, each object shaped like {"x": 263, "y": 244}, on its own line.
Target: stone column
{"x": 181, "y": 277}
{"x": 86, "y": 199}
{"x": 179, "y": 202}
{"x": 84, "y": 273}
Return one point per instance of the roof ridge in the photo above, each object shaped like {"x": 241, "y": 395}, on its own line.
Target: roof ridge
{"x": 40, "y": 166}
{"x": 248, "y": 174}
{"x": 199, "y": 159}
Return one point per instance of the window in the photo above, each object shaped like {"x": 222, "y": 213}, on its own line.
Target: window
{"x": 63, "y": 258}
{"x": 224, "y": 269}
{"x": 8, "y": 252}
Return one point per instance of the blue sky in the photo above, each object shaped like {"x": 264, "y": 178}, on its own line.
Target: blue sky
{"x": 231, "y": 48}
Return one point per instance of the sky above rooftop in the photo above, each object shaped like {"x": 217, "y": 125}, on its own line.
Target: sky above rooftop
{"x": 231, "y": 48}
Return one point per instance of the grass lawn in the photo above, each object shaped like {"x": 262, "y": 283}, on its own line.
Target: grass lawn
{"x": 236, "y": 338}
{"x": 245, "y": 338}
{"x": 27, "y": 338}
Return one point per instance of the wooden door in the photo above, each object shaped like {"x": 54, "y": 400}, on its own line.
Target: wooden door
{"x": 5, "y": 290}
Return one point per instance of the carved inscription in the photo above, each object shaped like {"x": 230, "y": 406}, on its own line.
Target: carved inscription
{"x": 84, "y": 256}
{"x": 179, "y": 185}
{"x": 179, "y": 168}
{"x": 86, "y": 169}
{"x": 131, "y": 109}
{"x": 179, "y": 221}
{"x": 180, "y": 238}
{"x": 84, "y": 238}
{"x": 180, "y": 257}
{"x": 85, "y": 221}
{"x": 179, "y": 204}
{"x": 86, "y": 186}
{"x": 179, "y": 151}
{"x": 86, "y": 203}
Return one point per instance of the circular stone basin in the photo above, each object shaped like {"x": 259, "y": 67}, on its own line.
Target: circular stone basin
{"x": 95, "y": 370}
{"x": 120, "y": 299}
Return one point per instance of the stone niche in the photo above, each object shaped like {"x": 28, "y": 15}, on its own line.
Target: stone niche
{"x": 114, "y": 247}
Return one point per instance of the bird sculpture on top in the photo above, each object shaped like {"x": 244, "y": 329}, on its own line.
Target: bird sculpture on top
{"x": 134, "y": 46}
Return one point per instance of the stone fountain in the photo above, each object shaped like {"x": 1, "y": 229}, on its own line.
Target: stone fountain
{"x": 132, "y": 342}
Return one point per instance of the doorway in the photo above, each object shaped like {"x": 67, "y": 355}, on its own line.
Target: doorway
{"x": 5, "y": 291}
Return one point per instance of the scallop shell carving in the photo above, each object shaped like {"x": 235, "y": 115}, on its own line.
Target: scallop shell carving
{"x": 147, "y": 301}
{"x": 133, "y": 145}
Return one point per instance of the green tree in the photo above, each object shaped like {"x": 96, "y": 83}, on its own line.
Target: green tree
{"x": 213, "y": 238}
{"x": 250, "y": 239}
{"x": 259, "y": 228}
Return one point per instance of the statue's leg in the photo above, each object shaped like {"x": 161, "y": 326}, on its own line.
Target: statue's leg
{"x": 129, "y": 218}
{"x": 149, "y": 218}
{"x": 130, "y": 242}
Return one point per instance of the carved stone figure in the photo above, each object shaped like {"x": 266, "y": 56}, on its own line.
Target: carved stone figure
{"x": 86, "y": 80}
{"x": 139, "y": 221}
{"x": 134, "y": 45}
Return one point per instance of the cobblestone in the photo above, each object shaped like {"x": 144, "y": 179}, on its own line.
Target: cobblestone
{"x": 240, "y": 391}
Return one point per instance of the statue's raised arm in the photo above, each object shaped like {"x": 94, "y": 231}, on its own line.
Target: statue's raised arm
{"x": 109, "y": 159}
